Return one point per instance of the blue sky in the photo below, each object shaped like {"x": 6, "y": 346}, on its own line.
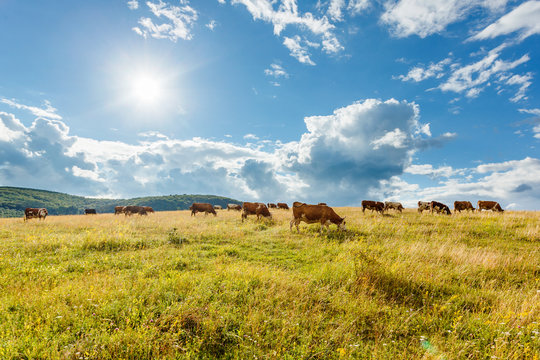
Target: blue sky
{"x": 284, "y": 100}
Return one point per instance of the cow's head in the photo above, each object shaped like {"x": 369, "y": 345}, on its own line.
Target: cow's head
{"x": 341, "y": 225}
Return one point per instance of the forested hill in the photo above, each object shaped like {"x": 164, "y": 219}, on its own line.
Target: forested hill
{"x": 14, "y": 200}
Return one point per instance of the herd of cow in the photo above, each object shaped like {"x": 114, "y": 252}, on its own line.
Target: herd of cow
{"x": 320, "y": 213}
{"x": 431, "y": 206}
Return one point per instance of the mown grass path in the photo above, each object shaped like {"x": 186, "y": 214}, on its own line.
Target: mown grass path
{"x": 172, "y": 286}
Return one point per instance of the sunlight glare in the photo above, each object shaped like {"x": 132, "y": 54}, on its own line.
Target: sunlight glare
{"x": 147, "y": 89}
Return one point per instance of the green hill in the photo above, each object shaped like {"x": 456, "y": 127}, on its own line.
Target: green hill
{"x": 14, "y": 200}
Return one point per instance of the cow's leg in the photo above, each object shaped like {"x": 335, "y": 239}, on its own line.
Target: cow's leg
{"x": 363, "y": 210}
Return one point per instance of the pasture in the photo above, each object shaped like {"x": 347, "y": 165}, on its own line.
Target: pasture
{"x": 170, "y": 286}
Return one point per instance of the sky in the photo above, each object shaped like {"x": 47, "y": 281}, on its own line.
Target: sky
{"x": 331, "y": 101}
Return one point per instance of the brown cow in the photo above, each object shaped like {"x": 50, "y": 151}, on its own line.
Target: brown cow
{"x": 282, "y": 206}
{"x": 373, "y": 206}
{"x": 439, "y": 208}
{"x": 30, "y": 213}
{"x": 393, "y": 205}
{"x": 311, "y": 214}
{"x": 202, "y": 207}
{"x": 148, "y": 209}
{"x": 90, "y": 212}
{"x": 423, "y": 205}
{"x": 118, "y": 210}
{"x": 463, "y": 205}
{"x": 272, "y": 206}
{"x": 259, "y": 209}
{"x": 489, "y": 205}
{"x": 234, "y": 207}
{"x": 133, "y": 209}
{"x": 217, "y": 207}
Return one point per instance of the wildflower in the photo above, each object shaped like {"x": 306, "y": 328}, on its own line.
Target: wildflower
{"x": 341, "y": 351}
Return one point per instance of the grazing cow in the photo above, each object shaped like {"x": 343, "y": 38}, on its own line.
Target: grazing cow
{"x": 118, "y": 210}
{"x": 271, "y": 206}
{"x": 463, "y": 205}
{"x": 202, "y": 207}
{"x": 311, "y": 214}
{"x": 282, "y": 206}
{"x": 90, "y": 212}
{"x": 439, "y": 208}
{"x": 424, "y": 205}
{"x": 373, "y": 206}
{"x": 322, "y": 204}
{"x": 234, "y": 207}
{"x": 132, "y": 209}
{"x": 40, "y": 213}
{"x": 259, "y": 209}
{"x": 393, "y": 205}
{"x": 148, "y": 209}
{"x": 489, "y": 205}
{"x": 217, "y": 207}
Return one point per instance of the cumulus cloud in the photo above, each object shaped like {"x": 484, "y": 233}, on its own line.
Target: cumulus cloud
{"x": 340, "y": 155}
{"x": 360, "y": 150}
{"x": 524, "y": 19}
{"x": 471, "y": 79}
{"x": 178, "y": 25}
{"x": 337, "y": 159}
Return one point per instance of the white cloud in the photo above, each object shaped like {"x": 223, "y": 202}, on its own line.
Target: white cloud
{"x": 472, "y": 79}
{"x": 48, "y": 112}
{"x": 287, "y": 15}
{"x": 395, "y": 138}
{"x": 276, "y": 71}
{"x": 357, "y": 151}
{"x": 427, "y": 17}
{"x": 524, "y": 19}
{"x": 180, "y": 20}
{"x": 530, "y": 111}
{"x": 420, "y": 73}
{"x": 332, "y": 159}
{"x": 133, "y": 4}
{"x": 251, "y": 137}
{"x": 298, "y": 51}
{"x": 335, "y": 9}
{"x": 523, "y": 81}
{"x": 429, "y": 170}
{"x": 355, "y": 7}
{"x": 212, "y": 25}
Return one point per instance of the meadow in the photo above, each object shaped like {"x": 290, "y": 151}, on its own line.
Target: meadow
{"x": 172, "y": 286}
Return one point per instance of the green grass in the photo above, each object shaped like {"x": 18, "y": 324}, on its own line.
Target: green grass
{"x": 174, "y": 286}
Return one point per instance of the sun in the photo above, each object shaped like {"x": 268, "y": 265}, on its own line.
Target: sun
{"x": 147, "y": 89}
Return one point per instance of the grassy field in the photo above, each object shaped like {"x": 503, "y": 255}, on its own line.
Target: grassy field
{"x": 173, "y": 286}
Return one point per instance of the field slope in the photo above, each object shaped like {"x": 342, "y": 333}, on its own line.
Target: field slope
{"x": 14, "y": 200}
{"x": 170, "y": 286}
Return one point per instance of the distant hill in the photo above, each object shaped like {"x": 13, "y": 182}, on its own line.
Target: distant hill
{"x": 14, "y": 200}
